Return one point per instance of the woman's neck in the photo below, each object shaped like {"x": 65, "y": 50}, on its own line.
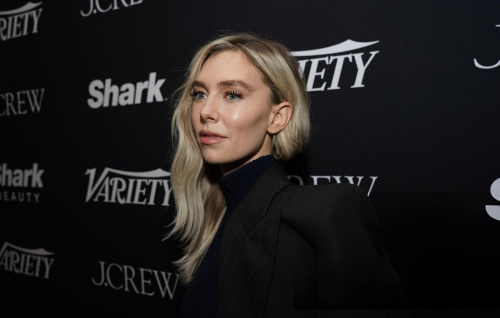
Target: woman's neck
{"x": 227, "y": 168}
{"x": 236, "y": 184}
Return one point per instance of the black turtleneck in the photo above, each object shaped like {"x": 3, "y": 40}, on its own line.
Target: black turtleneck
{"x": 200, "y": 298}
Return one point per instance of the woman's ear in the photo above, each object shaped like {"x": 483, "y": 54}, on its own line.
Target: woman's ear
{"x": 280, "y": 116}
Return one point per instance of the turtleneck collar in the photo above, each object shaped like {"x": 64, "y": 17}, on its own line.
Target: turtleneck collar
{"x": 236, "y": 184}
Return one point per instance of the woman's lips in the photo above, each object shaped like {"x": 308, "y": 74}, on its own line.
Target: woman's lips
{"x": 210, "y": 138}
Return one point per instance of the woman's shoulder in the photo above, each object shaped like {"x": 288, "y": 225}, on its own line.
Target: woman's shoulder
{"x": 312, "y": 208}
{"x": 324, "y": 197}
{"x": 337, "y": 224}
{"x": 326, "y": 189}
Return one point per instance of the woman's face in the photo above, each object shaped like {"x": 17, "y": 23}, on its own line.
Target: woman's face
{"x": 231, "y": 112}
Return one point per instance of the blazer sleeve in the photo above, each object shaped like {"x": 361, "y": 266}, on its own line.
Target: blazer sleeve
{"x": 350, "y": 269}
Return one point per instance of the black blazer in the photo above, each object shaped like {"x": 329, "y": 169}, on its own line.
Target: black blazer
{"x": 289, "y": 250}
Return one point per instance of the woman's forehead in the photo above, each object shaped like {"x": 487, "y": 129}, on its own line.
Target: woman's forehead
{"x": 229, "y": 67}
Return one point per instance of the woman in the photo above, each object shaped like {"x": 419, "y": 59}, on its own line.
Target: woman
{"x": 255, "y": 245}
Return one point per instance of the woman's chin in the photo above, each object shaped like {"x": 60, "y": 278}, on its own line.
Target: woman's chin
{"x": 213, "y": 160}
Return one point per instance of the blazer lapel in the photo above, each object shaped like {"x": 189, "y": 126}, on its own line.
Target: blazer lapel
{"x": 249, "y": 248}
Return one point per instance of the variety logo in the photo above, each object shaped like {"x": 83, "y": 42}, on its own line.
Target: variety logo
{"x": 105, "y": 94}
{"x": 124, "y": 187}
{"x": 30, "y": 262}
{"x": 333, "y": 64}
{"x": 20, "y": 22}
{"x": 476, "y": 63}
{"x": 21, "y": 102}
{"x": 96, "y": 6}
{"x": 142, "y": 281}
{"x": 494, "y": 210}
{"x": 336, "y": 179}
{"x": 27, "y": 178}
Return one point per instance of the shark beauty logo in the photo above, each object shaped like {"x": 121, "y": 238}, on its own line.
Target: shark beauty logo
{"x": 20, "y": 22}
{"x": 30, "y": 262}
{"x": 494, "y": 210}
{"x": 323, "y": 67}
{"x": 20, "y": 185}
{"x": 488, "y": 67}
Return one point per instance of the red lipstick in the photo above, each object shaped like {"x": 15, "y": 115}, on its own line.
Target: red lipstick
{"x": 210, "y": 138}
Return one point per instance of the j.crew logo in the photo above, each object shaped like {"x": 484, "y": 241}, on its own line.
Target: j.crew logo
{"x": 476, "y": 63}
{"x": 494, "y": 210}
{"x": 95, "y": 6}
{"x": 142, "y": 281}
{"x": 337, "y": 179}
{"x": 316, "y": 79}
{"x": 21, "y": 102}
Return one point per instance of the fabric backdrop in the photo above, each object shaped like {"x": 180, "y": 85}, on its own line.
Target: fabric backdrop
{"x": 405, "y": 103}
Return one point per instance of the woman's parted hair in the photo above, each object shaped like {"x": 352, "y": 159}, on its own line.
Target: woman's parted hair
{"x": 199, "y": 200}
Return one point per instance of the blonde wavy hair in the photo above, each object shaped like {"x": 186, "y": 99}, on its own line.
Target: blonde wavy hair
{"x": 199, "y": 200}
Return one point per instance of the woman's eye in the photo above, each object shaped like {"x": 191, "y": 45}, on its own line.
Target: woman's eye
{"x": 233, "y": 96}
{"x": 198, "y": 95}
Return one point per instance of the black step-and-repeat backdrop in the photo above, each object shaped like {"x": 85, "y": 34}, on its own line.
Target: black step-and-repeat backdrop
{"x": 405, "y": 103}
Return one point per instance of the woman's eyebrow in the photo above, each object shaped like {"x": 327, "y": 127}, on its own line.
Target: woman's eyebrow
{"x": 230, "y": 83}
{"x": 200, "y": 84}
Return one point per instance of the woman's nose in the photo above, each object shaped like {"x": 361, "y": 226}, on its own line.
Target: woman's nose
{"x": 210, "y": 110}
